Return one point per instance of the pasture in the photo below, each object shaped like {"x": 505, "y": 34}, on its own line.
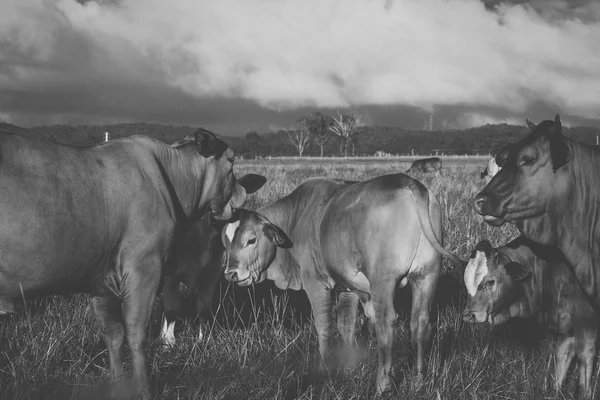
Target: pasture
{"x": 262, "y": 344}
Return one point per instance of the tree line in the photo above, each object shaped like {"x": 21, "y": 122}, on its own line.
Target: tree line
{"x": 317, "y": 135}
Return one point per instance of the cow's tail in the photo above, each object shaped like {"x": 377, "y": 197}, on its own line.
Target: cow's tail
{"x": 421, "y": 196}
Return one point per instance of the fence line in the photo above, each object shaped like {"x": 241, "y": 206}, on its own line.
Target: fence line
{"x": 374, "y": 158}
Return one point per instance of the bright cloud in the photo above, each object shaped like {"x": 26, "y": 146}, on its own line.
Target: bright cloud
{"x": 284, "y": 54}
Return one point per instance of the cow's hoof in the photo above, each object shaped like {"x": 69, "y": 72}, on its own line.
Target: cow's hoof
{"x": 384, "y": 386}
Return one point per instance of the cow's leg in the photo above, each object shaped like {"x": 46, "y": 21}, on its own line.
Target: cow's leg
{"x": 346, "y": 322}
{"x": 423, "y": 291}
{"x": 205, "y": 295}
{"x": 382, "y": 296}
{"x": 171, "y": 301}
{"x": 586, "y": 351}
{"x": 110, "y": 317}
{"x": 140, "y": 289}
{"x": 321, "y": 302}
{"x": 564, "y": 351}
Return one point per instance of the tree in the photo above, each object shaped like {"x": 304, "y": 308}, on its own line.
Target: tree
{"x": 345, "y": 127}
{"x": 254, "y": 142}
{"x": 300, "y": 138}
{"x": 319, "y": 129}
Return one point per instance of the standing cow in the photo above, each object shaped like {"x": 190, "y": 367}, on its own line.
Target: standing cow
{"x": 524, "y": 279}
{"x": 198, "y": 267}
{"x": 549, "y": 188}
{"x": 360, "y": 238}
{"x": 103, "y": 220}
{"x": 425, "y": 165}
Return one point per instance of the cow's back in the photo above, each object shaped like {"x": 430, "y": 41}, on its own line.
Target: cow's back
{"x": 372, "y": 223}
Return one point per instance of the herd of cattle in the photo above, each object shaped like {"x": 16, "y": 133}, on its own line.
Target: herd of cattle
{"x": 134, "y": 217}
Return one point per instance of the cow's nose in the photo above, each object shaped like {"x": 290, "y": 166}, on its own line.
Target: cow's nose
{"x": 468, "y": 316}
{"x": 233, "y": 276}
{"x": 479, "y": 201}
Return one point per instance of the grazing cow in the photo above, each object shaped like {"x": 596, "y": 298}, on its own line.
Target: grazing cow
{"x": 198, "y": 267}
{"x": 425, "y": 165}
{"x": 549, "y": 188}
{"x": 103, "y": 220}
{"x": 359, "y": 238}
{"x": 524, "y": 279}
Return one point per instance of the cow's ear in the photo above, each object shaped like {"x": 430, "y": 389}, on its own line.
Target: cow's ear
{"x": 229, "y": 229}
{"x": 208, "y": 144}
{"x": 517, "y": 272}
{"x": 252, "y": 182}
{"x": 502, "y": 155}
{"x": 560, "y": 152}
{"x": 530, "y": 124}
{"x": 277, "y": 236}
{"x": 557, "y": 127}
{"x": 485, "y": 246}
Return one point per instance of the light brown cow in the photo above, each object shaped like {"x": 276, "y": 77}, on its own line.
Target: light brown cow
{"x": 361, "y": 238}
{"x": 103, "y": 220}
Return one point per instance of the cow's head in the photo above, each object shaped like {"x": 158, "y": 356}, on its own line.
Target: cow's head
{"x": 220, "y": 192}
{"x": 250, "y": 247}
{"x": 493, "y": 283}
{"x": 530, "y": 178}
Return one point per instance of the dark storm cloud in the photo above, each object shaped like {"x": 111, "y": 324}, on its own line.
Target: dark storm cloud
{"x": 240, "y": 65}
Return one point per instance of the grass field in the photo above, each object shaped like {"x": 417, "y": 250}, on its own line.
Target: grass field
{"x": 262, "y": 344}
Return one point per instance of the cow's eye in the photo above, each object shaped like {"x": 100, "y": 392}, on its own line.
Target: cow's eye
{"x": 526, "y": 160}
{"x": 490, "y": 283}
{"x": 251, "y": 241}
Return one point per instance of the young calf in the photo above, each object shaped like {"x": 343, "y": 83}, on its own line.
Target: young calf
{"x": 361, "y": 238}
{"x": 198, "y": 267}
{"x": 526, "y": 280}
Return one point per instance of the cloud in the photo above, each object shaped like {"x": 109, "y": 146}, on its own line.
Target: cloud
{"x": 230, "y": 61}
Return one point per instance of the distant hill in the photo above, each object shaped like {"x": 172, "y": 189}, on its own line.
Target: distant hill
{"x": 395, "y": 140}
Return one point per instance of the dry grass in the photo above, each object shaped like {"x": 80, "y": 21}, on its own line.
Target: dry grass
{"x": 262, "y": 344}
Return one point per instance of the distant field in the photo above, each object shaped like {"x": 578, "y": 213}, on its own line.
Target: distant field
{"x": 262, "y": 343}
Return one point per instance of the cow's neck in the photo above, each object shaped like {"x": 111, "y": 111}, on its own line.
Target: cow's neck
{"x": 183, "y": 178}
{"x": 284, "y": 270}
{"x": 580, "y": 228}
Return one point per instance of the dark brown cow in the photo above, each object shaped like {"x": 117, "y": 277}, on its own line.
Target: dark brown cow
{"x": 549, "y": 188}
{"x": 425, "y": 165}
{"x": 103, "y": 220}
{"x": 361, "y": 238}
{"x": 198, "y": 267}
{"x": 524, "y": 279}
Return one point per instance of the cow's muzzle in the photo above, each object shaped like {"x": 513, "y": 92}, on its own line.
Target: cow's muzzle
{"x": 474, "y": 317}
{"x": 481, "y": 204}
{"x": 238, "y": 276}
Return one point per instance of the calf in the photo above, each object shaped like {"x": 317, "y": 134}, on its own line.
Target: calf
{"x": 527, "y": 280}
{"x": 198, "y": 267}
{"x": 360, "y": 238}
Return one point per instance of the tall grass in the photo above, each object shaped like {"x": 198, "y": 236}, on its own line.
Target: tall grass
{"x": 262, "y": 344}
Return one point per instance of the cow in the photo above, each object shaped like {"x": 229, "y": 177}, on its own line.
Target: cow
{"x": 360, "y": 239}
{"x": 198, "y": 267}
{"x": 490, "y": 170}
{"x": 425, "y": 165}
{"x": 103, "y": 220}
{"x": 549, "y": 188}
{"x": 523, "y": 279}
{"x": 496, "y": 163}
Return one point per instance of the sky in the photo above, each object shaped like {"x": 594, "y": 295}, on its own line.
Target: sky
{"x": 233, "y": 66}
